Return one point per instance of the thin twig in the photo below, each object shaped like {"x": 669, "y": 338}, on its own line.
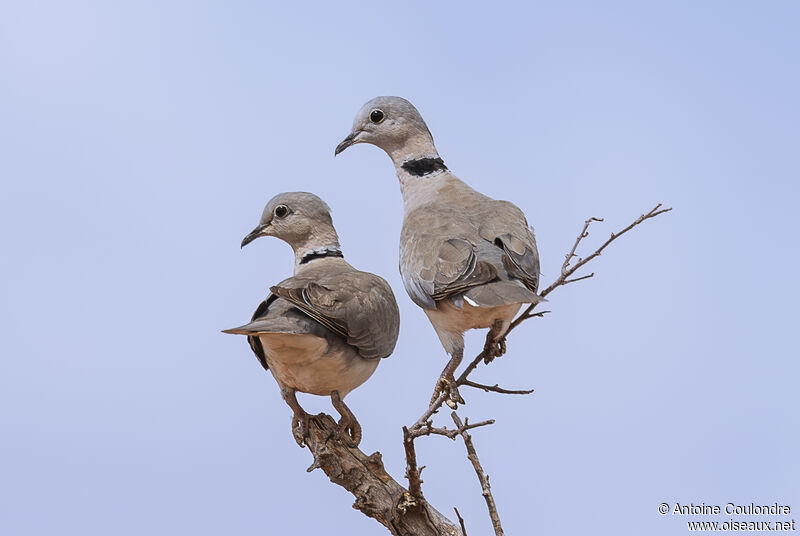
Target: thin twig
{"x": 429, "y": 429}
{"x": 567, "y": 270}
{"x": 467, "y": 371}
{"x": 566, "y": 281}
{"x": 494, "y": 388}
{"x": 486, "y": 489}
{"x": 409, "y": 434}
{"x": 540, "y": 314}
{"x": 461, "y": 522}
{"x": 584, "y": 233}
{"x": 433, "y": 408}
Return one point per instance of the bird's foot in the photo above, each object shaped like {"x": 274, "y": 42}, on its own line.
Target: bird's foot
{"x": 447, "y": 384}
{"x": 493, "y": 348}
{"x": 299, "y": 416}
{"x": 495, "y": 345}
{"x": 347, "y": 430}
{"x": 300, "y": 428}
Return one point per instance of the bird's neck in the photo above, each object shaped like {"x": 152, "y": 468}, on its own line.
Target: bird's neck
{"x": 418, "y": 166}
{"x": 321, "y": 244}
{"x": 417, "y": 145}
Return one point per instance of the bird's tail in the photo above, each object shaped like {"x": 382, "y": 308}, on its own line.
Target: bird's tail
{"x": 267, "y": 325}
{"x": 501, "y": 293}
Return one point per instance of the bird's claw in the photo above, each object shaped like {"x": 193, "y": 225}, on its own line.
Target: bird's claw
{"x": 300, "y": 429}
{"x": 448, "y": 385}
{"x": 493, "y": 348}
{"x": 349, "y": 432}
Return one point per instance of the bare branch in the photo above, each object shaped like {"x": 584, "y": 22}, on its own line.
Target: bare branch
{"x": 432, "y": 408}
{"x": 461, "y": 522}
{"x": 467, "y": 371}
{"x": 567, "y": 281}
{"x": 377, "y": 494}
{"x": 486, "y": 489}
{"x": 584, "y": 233}
{"x": 409, "y": 434}
{"x": 412, "y": 472}
{"x": 567, "y": 270}
{"x": 494, "y": 388}
{"x": 540, "y": 314}
{"x": 429, "y": 429}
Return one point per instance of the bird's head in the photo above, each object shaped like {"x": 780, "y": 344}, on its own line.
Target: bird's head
{"x": 297, "y": 218}
{"x": 391, "y": 123}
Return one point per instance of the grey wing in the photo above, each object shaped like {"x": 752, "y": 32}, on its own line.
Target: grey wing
{"x": 372, "y": 316}
{"x": 485, "y": 252}
{"x": 417, "y": 290}
{"x": 507, "y": 228}
{"x": 435, "y": 270}
{"x": 357, "y": 305}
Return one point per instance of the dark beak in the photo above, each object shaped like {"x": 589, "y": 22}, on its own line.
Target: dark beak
{"x": 255, "y": 233}
{"x": 347, "y": 142}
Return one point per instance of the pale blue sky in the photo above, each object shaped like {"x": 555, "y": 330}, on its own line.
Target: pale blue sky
{"x": 139, "y": 142}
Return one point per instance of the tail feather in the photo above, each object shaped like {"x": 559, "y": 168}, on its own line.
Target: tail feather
{"x": 269, "y": 325}
{"x": 501, "y": 293}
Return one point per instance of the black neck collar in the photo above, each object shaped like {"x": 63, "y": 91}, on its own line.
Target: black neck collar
{"x": 321, "y": 253}
{"x": 424, "y": 166}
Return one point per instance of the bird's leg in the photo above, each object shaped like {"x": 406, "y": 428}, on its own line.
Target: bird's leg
{"x": 495, "y": 343}
{"x": 348, "y": 428}
{"x": 447, "y": 381}
{"x": 299, "y": 416}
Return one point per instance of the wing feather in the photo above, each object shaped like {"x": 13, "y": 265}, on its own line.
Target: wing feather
{"x": 356, "y": 305}
{"x": 447, "y": 250}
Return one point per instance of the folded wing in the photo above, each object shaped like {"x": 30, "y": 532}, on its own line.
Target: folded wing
{"x": 489, "y": 257}
{"x": 356, "y": 305}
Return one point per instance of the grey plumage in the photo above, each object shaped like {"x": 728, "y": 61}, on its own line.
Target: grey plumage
{"x": 323, "y": 330}
{"x": 468, "y": 260}
{"x": 454, "y": 247}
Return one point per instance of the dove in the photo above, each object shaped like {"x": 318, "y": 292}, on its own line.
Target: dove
{"x": 469, "y": 261}
{"x": 323, "y": 330}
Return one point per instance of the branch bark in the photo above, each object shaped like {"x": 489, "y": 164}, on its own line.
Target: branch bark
{"x": 377, "y": 494}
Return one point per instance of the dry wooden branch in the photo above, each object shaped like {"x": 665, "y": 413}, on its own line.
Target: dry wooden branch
{"x": 429, "y": 429}
{"x": 567, "y": 270}
{"x": 486, "y": 489}
{"x": 461, "y": 522}
{"x": 412, "y": 471}
{"x": 377, "y": 494}
{"x": 496, "y": 389}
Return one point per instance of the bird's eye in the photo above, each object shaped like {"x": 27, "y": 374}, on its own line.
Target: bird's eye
{"x": 281, "y": 211}
{"x": 376, "y": 116}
